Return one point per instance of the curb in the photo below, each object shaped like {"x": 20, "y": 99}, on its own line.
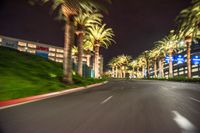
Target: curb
{"x": 20, "y": 101}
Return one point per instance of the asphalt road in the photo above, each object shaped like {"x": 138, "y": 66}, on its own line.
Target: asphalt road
{"x": 116, "y": 107}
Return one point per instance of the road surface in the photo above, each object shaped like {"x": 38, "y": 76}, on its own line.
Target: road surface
{"x": 120, "y": 106}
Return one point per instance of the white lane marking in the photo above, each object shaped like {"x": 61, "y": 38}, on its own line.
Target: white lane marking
{"x": 107, "y": 99}
{"x": 184, "y": 124}
{"x": 195, "y": 99}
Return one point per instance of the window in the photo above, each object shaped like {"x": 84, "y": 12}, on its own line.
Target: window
{"x": 52, "y": 49}
{"x": 193, "y": 66}
{"x": 21, "y": 49}
{"x": 23, "y": 44}
{"x": 31, "y": 51}
{"x": 31, "y": 45}
{"x": 180, "y": 69}
{"x": 181, "y": 73}
{"x": 59, "y": 55}
{"x": 60, "y": 51}
{"x": 52, "y": 54}
{"x": 195, "y": 76}
{"x": 195, "y": 70}
{"x": 50, "y": 58}
{"x": 59, "y": 60}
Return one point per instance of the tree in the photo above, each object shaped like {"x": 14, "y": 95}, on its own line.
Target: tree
{"x": 68, "y": 9}
{"x": 123, "y": 62}
{"x": 113, "y": 64}
{"x": 100, "y": 36}
{"x": 146, "y": 55}
{"x": 169, "y": 45}
{"x": 161, "y": 55}
{"x": 133, "y": 65}
{"x": 82, "y": 22}
{"x": 141, "y": 63}
{"x": 154, "y": 54}
{"x": 188, "y": 28}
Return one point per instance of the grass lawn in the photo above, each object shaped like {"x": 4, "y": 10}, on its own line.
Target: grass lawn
{"x": 23, "y": 74}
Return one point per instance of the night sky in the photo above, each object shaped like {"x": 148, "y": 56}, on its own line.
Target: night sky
{"x": 136, "y": 23}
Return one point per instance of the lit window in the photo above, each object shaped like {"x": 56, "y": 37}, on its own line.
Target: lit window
{"x": 1, "y": 39}
{"x": 180, "y": 69}
{"x": 195, "y": 70}
{"x": 23, "y": 44}
{"x": 195, "y": 76}
{"x": 31, "y": 45}
{"x": 59, "y": 60}
{"x": 193, "y": 66}
{"x": 21, "y": 49}
{"x": 31, "y": 51}
{"x": 52, "y": 54}
{"x": 52, "y": 49}
{"x": 50, "y": 58}
{"x": 59, "y": 55}
{"x": 60, "y": 51}
{"x": 181, "y": 72}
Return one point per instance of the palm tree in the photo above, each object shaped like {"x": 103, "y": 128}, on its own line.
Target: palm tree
{"x": 82, "y": 22}
{"x": 161, "y": 55}
{"x": 123, "y": 62}
{"x": 154, "y": 54}
{"x": 87, "y": 49}
{"x": 142, "y": 63}
{"x": 113, "y": 65}
{"x": 146, "y": 55}
{"x": 133, "y": 64}
{"x": 189, "y": 28}
{"x": 100, "y": 36}
{"x": 75, "y": 53}
{"x": 68, "y": 9}
{"x": 169, "y": 45}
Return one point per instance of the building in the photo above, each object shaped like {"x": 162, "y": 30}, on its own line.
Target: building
{"x": 50, "y": 52}
{"x": 180, "y": 63}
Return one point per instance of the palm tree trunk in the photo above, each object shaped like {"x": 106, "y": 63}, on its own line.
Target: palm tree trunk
{"x": 161, "y": 68}
{"x": 133, "y": 70}
{"x": 189, "y": 70}
{"x": 68, "y": 43}
{"x": 124, "y": 75}
{"x": 113, "y": 72}
{"x": 155, "y": 69}
{"x": 80, "y": 54}
{"x": 116, "y": 73}
{"x": 96, "y": 60}
{"x": 160, "y": 73}
{"x": 88, "y": 56}
{"x": 148, "y": 69}
{"x": 170, "y": 64}
{"x": 138, "y": 72}
{"x": 143, "y": 71}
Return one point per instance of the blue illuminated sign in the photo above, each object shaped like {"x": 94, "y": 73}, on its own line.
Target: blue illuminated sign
{"x": 180, "y": 59}
{"x": 196, "y": 60}
{"x": 167, "y": 59}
